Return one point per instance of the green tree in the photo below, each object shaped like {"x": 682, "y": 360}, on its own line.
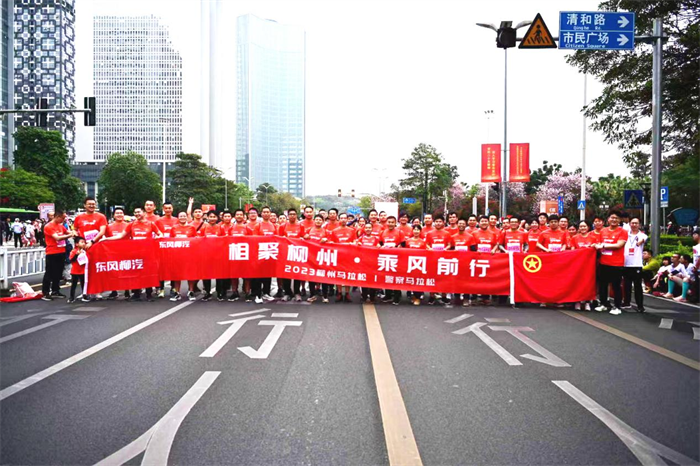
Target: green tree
{"x": 190, "y": 177}
{"x": 623, "y": 111}
{"x": 44, "y": 153}
{"x": 279, "y": 202}
{"x": 262, "y": 192}
{"x": 610, "y": 190}
{"x": 365, "y": 203}
{"x": 23, "y": 189}
{"x": 683, "y": 183}
{"x": 427, "y": 175}
{"x": 540, "y": 176}
{"x": 126, "y": 180}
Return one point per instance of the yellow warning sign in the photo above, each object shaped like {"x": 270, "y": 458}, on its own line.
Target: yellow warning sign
{"x": 538, "y": 36}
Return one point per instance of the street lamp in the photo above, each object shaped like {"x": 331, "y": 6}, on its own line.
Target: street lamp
{"x": 505, "y": 39}
{"x": 223, "y": 172}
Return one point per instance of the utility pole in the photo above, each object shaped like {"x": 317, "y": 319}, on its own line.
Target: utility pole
{"x": 656, "y": 145}
{"x": 583, "y": 162}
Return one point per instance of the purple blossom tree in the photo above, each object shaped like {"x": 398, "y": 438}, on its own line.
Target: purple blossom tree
{"x": 558, "y": 184}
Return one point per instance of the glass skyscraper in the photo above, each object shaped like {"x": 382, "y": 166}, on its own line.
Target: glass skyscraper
{"x": 271, "y": 94}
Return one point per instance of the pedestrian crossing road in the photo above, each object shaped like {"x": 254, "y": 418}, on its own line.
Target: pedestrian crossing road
{"x": 208, "y": 383}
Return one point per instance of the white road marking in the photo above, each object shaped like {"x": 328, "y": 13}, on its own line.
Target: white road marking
{"x": 459, "y": 318}
{"x": 696, "y": 333}
{"x": 497, "y": 320}
{"x": 264, "y": 351}
{"x": 158, "y": 440}
{"x": 55, "y": 319}
{"x": 12, "y": 320}
{"x": 647, "y": 451}
{"x": 288, "y": 315}
{"x": 654, "y": 311}
{"x": 666, "y": 324}
{"x": 549, "y": 357}
{"x": 475, "y": 328}
{"x": 89, "y": 309}
{"x": 220, "y": 342}
{"x": 39, "y": 376}
{"x": 247, "y": 313}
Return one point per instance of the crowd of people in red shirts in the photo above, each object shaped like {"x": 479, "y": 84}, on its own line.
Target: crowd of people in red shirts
{"x": 619, "y": 246}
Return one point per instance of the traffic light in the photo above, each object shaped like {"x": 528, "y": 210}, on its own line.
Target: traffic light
{"x": 41, "y": 116}
{"x": 352, "y": 192}
{"x": 506, "y": 36}
{"x": 89, "y": 117}
{"x": 340, "y": 193}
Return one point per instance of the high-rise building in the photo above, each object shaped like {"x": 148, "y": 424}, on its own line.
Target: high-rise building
{"x": 270, "y": 127}
{"x": 44, "y": 67}
{"x": 6, "y": 84}
{"x": 138, "y": 88}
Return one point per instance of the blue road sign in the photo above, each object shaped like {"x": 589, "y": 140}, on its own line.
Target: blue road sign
{"x": 596, "y": 30}
{"x": 582, "y": 204}
{"x": 354, "y": 210}
{"x": 634, "y": 199}
{"x": 560, "y": 205}
{"x": 409, "y": 200}
{"x": 664, "y": 196}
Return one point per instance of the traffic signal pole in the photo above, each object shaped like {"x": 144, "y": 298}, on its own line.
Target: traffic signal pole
{"x": 656, "y": 146}
{"x": 504, "y": 168}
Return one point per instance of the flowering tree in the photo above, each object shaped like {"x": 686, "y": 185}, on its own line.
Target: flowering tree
{"x": 566, "y": 185}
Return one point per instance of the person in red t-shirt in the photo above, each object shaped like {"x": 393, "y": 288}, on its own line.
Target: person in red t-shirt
{"x": 115, "y": 228}
{"x": 292, "y": 229}
{"x": 332, "y": 222}
{"x": 209, "y": 229}
{"x": 150, "y": 211}
{"x": 368, "y": 240}
{"x": 383, "y": 218}
{"x": 486, "y": 243}
{"x": 391, "y": 237}
{"x": 55, "y": 237}
{"x": 90, "y": 225}
{"x": 78, "y": 259}
{"x": 493, "y": 224}
{"x": 463, "y": 241}
{"x": 513, "y": 240}
{"x": 452, "y": 227}
{"x": 262, "y": 287}
{"x": 612, "y": 263}
{"x": 472, "y": 223}
{"x": 377, "y": 227}
{"x": 428, "y": 225}
{"x": 182, "y": 230}
{"x": 317, "y": 234}
{"x": 415, "y": 242}
{"x": 598, "y": 225}
{"x": 165, "y": 223}
{"x": 404, "y": 227}
{"x": 343, "y": 235}
{"x": 439, "y": 240}
{"x": 584, "y": 238}
{"x": 308, "y": 221}
{"x": 543, "y": 220}
{"x": 554, "y": 239}
{"x": 533, "y": 235}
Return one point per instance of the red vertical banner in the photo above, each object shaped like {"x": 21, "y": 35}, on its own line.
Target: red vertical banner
{"x": 490, "y": 163}
{"x": 519, "y": 162}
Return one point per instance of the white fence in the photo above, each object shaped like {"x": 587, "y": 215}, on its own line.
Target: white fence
{"x": 18, "y": 263}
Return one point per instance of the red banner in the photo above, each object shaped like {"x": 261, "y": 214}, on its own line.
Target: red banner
{"x": 563, "y": 277}
{"x": 490, "y": 163}
{"x": 519, "y": 162}
{"x": 125, "y": 264}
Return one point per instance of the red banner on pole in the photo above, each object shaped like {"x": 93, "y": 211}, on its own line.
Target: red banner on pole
{"x": 490, "y": 163}
{"x": 129, "y": 264}
{"x": 519, "y": 162}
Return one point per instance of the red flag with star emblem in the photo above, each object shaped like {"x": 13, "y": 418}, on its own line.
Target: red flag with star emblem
{"x": 558, "y": 277}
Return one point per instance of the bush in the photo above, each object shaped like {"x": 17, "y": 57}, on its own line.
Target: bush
{"x": 673, "y": 240}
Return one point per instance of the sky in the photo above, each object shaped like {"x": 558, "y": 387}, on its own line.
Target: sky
{"x": 384, "y": 76}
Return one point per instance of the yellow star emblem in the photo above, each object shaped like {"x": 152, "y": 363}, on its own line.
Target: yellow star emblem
{"x": 532, "y": 263}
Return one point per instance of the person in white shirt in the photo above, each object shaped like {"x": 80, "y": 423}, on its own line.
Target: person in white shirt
{"x": 17, "y": 230}
{"x": 633, "y": 266}
{"x": 676, "y": 276}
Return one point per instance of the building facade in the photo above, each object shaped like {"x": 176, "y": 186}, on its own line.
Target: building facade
{"x": 138, "y": 87}
{"x": 6, "y": 83}
{"x": 271, "y": 95}
{"x": 44, "y": 63}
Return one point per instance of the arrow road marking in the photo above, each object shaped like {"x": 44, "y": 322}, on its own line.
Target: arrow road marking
{"x": 549, "y": 357}
{"x": 622, "y": 40}
{"x": 666, "y": 324}
{"x": 623, "y": 21}
{"x": 158, "y": 440}
{"x": 236, "y": 325}
{"x": 286, "y": 315}
{"x": 475, "y": 328}
{"x": 55, "y": 319}
{"x": 459, "y": 318}
{"x": 12, "y": 320}
{"x": 264, "y": 351}
{"x": 497, "y": 320}
{"x": 647, "y": 451}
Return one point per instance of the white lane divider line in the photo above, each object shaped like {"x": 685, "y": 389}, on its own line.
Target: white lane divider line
{"x": 246, "y": 313}
{"x": 666, "y": 324}
{"x": 54, "y": 319}
{"x": 288, "y": 315}
{"x": 12, "y": 320}
{"x": 459, "y": 318}
{"x": 158, "y": 440}
{"x": 648, "y": 451}
{"x": 497, "y": 320}
{"x": 39, "y": 376}
{"x": 696, "y": 333}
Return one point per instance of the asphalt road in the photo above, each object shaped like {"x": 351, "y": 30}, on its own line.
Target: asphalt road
{"x": 295, "y": 384}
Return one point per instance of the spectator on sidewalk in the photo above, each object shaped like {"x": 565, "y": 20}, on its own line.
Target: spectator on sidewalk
{"x": 17, "y": 230}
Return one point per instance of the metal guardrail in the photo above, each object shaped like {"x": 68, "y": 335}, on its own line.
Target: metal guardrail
{"x": 18, "y": 263}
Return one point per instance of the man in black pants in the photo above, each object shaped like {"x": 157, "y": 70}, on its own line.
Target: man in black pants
{"x": 56, "y": 236}
{"x": 633, "y": 266}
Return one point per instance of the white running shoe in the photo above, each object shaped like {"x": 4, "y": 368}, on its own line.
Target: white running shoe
{"x": 588, "y": 307}
{"x": 577, "y": 307}
{"x": 268, "y": 298}
{"x": 258, "y": 300}
{"x": 601, "y": 309}
{"x": 615, "y": 311}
